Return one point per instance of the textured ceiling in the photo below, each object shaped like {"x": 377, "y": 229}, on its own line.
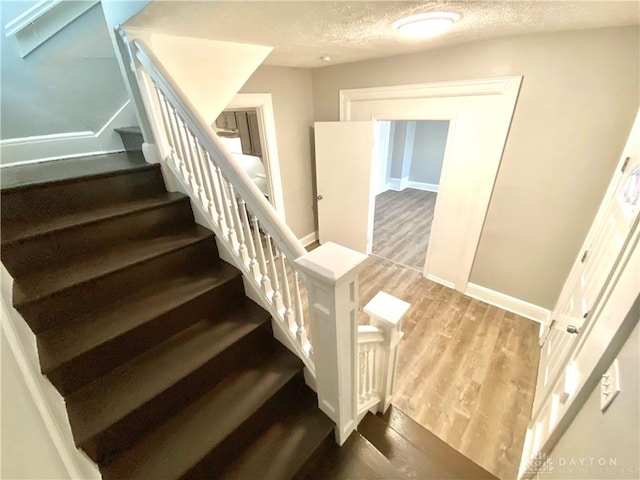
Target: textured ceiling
{"x": 301, "y": 31}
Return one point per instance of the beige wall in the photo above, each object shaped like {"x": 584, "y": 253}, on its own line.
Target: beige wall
{"x": 579, "y": 95}
{"x": 291, "y": 94}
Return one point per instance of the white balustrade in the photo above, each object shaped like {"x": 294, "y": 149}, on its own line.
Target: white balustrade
{"x": 386, "y": 313}
{"x": 312, "y": 296}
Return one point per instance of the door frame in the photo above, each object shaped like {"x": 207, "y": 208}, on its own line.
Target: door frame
{"x": 506, "y": 86}
{"x": 263, "y": 105}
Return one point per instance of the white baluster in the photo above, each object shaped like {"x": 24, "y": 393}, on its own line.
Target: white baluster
{"x": 197, "y": 166}
{"x": 362, "y": 368}
{"x": 165, "y": 120}
{"x": 182, "y": 131}
{"x": 370, "y": 369}
{"x": 208, "y": 183}
{"x": 242, "y": 247}
{"x": 248, "y": 236}
{"x": 275, "y": 287}
{"x": 289, "y": 317}
{"x": 212, "y": 170}
{"x": 224, "y": 198}
{"x": 301, "y": 331}
{"x": 174, "y": 128}
{"x": 177, "y": 155}
{"x": 264, "y": 273}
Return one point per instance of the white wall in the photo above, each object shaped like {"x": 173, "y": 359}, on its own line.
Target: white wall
{"x": 71, "y": 83}
{"x": 576, "y": 106}
{"x": 291, "y": 93}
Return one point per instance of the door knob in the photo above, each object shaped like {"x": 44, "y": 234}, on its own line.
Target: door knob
{"x": 319, "y": 197}
{"x": 572, "y": 329}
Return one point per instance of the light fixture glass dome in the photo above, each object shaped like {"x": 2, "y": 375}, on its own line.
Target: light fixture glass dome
{"x": 426, "y": 25}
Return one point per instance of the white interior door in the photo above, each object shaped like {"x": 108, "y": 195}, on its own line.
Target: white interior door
{"x": 343, "y": 176}
{"x": 605, "y": 241}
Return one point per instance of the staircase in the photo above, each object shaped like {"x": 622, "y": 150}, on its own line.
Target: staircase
{"x": 167, "y": 369}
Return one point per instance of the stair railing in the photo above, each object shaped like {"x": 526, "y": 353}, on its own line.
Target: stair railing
{"x": 312, "y": 296}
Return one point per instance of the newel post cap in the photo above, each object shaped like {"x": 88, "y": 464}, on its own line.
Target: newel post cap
{"x": 387, "y": 307}
{"x": 330, "y": 261}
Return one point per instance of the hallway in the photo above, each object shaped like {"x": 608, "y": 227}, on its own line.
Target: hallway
{"x": 466, "y": 370}
{"x": 402, "y": 225}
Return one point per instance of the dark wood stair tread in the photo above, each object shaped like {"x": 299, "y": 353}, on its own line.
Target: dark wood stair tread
{"x": 22, "y": 177}
{"x": 289, "y": 441}
{"x": 37, "y": 285}
{"x": 184, "y": 440}
{"x": 356, "y": 459}
{"x": 110, "y": 398}
{"x": 60, "y": 345}
{"x": 417, "y": 452}
{"x": 29, "y": 228}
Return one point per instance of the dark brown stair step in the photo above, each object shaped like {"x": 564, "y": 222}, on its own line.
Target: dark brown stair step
{"x": 131, "y": 138}
{"x": 415, "y": 451}
{"x": 45, "y": 282}
{"x": 174, "y": 448}
{"x": 69, "y": 195}
{"x": 94, "y": 344}
{"x": 143, "y": 219}
{"x": 67, "y": 168}
{"x": 28, "y": 229}
{"x": 112, "y": 412}
{"x": 356, "y": 459}
{"x": 281, "y": 440}
{"x": 66, "y": 305}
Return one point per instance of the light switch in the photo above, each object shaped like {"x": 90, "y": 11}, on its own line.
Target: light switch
{"x": 609, "y": 386}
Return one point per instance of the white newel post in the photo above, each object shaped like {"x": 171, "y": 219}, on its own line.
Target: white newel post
{"x": 387, "y": 312}
{"x": 331, "y": 272}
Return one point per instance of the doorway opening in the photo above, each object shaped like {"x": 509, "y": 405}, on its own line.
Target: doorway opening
{"x": 248, "y": 129}
{"x": 410, "y": 159}
{"x": 239, "y": 131}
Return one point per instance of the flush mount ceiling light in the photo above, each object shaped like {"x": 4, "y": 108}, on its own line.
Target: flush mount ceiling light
{"x": 426, "y": 25}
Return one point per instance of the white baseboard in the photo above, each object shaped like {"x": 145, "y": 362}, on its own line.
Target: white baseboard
{"x": 508, "y": 303}
{"x": 393, "y": 184}
{"x": 20, "y": 151}
{"x": 309, "y": 239}
{"x": 399, "y": 184}
{"x": 426, "y": 187}
{"x": 441, "y": 281}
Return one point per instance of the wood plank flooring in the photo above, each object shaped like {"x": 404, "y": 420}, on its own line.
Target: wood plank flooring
{"x": 402, "y": 225}
{"x": 466, "y": 370}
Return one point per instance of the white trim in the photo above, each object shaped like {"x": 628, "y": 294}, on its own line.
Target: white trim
{"x": 263, "y": 104}
{"x": 29, "y": 16}
{"x": 508, "y": 303}
{"x": 404, "y": 183}
{"x": 446, "y": 283}
{"x": 21, "y": 151}
{"x": 31, "y": 29}
{"x": 59, "y": 433}
{"x": 491, "y": 86}
{"x": 309, "y": 239}
{"x": 507, "y": 87}
{"x": 426, "y": 187}
{"x": 393, "y": 184}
